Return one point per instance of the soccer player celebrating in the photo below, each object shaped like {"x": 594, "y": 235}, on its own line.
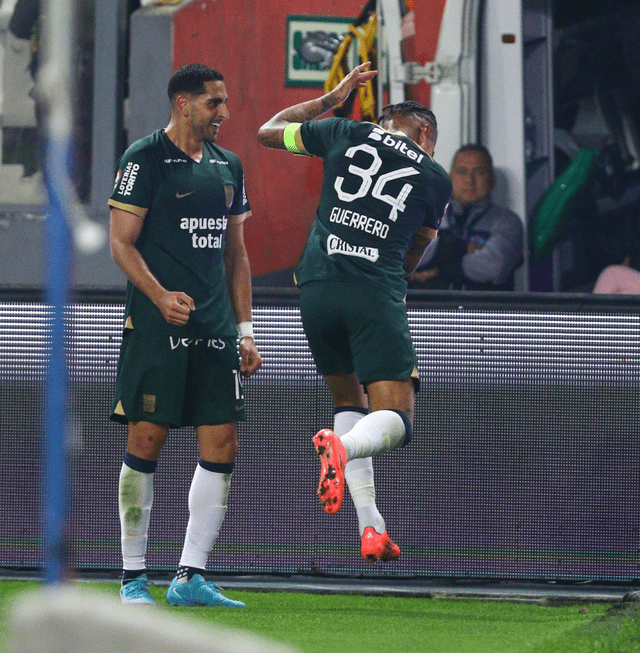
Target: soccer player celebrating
{"x": 382, "y": 200}
{"x": 177, "y": 213}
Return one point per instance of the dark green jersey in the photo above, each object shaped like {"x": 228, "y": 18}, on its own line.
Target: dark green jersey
{"x": 378, "y": 190}
{"x": 183, "y": 235}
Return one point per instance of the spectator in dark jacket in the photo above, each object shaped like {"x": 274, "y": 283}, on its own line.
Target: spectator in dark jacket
{"x": 480, "y": 244}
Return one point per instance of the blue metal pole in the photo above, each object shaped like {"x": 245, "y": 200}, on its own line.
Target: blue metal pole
{"x": 54, "y": 84}
{"x": 59, "y": 267}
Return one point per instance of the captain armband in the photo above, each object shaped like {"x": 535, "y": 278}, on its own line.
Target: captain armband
{"x": 289, "y": 138}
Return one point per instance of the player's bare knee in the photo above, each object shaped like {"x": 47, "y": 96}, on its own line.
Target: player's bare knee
{"x": 218, "y": 443}
{"x": 146, "y": 440}
{"x": 227, "y": 443}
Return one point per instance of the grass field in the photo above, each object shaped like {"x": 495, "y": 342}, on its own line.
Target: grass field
{"x": 316, "y": 623}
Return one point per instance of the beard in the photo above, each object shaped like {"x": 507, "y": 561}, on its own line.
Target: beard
{"x": 208, "y": 136}
{"x": 205, "y": 133}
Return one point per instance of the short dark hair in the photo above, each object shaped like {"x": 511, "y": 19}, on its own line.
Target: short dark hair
{"x": 191, "y": 79}
{"x": 409, "y": 108}
{"x": 476, "y": 147}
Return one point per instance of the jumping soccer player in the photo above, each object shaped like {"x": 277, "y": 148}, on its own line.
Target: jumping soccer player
{"x": 382, "y": 200}
{"x": 177, "y": 214}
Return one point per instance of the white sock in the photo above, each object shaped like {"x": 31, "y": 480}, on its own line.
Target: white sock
{"x": 375, "y": 434}
{"x": 135, "y": 498}
{"x": 359, "y": 477}
{"x": 207, "y": 508}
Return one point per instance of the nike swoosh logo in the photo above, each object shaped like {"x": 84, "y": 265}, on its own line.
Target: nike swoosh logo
{"x": 181, "y": 195}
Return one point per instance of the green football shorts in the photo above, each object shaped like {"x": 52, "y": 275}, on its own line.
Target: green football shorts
{"x": 357, "y": 328}
{"x": 178, "y": 381}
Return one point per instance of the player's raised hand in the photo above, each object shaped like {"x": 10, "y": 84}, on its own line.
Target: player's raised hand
{"x": 357, "y": 78}
{"x": 176, "y": 307}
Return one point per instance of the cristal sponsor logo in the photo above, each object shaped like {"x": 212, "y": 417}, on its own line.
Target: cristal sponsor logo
{"x": 221, "y": 163}
{"x": 118, "y": 177}
{"x": 176, "y": 161}
{"x": 380, "y": 135}
{"x": 128, "y": 178}
{"x": 213, "y": 343}
{"x": 205, "y": 241}
{"x": 244, "y": 192}
{"x": 336, "y": 245}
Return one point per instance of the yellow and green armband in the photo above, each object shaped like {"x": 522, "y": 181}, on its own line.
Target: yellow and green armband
{"x": 291, "y": 138}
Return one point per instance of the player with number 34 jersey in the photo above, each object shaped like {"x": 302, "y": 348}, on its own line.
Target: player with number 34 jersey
{"x": 383, "y": 197}
{"x": 378, "y": 189}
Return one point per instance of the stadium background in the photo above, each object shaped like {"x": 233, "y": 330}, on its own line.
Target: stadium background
{"x": 524, "y": 465}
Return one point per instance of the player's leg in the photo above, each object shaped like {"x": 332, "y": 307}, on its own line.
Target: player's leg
{"x": 215, "y": 402}
{"x": 147, "y": 399}
{"x": 328, "y": 338}
{"x": 350, "y": 401}
{"x": 388, "y": 426}
{"x": 381, "y": 348}
{"x": 358, "y": 475}
{"x": 375, "y": 543}
{"x": 135, "y": 500}
{"x": 207, "y": 508}
{"x": 351, "y": 404}
{"x": 385, "y": 361}
{"x": 331, "y": 313}
{"x": 383, "y": 357}
{"x": 208, "y": 496}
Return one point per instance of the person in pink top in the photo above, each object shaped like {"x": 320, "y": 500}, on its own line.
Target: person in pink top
{"x": 618, "y": 280}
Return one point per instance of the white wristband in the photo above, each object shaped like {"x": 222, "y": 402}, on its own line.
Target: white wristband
{"x": 245, "y": 330}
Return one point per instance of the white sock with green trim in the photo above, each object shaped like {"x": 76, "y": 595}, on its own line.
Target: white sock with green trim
{"x": 359, "y": 477}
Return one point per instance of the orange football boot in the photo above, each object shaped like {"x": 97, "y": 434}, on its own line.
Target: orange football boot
{"x": 376, "y": 546}
{"x": 333, "y": 459}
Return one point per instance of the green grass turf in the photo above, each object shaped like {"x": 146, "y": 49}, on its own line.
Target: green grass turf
{"x": 316, "y": 623}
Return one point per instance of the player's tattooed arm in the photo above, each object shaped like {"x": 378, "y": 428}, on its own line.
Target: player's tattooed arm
{"x": 271, "y": 134}
{"x": 419, "y": 243}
